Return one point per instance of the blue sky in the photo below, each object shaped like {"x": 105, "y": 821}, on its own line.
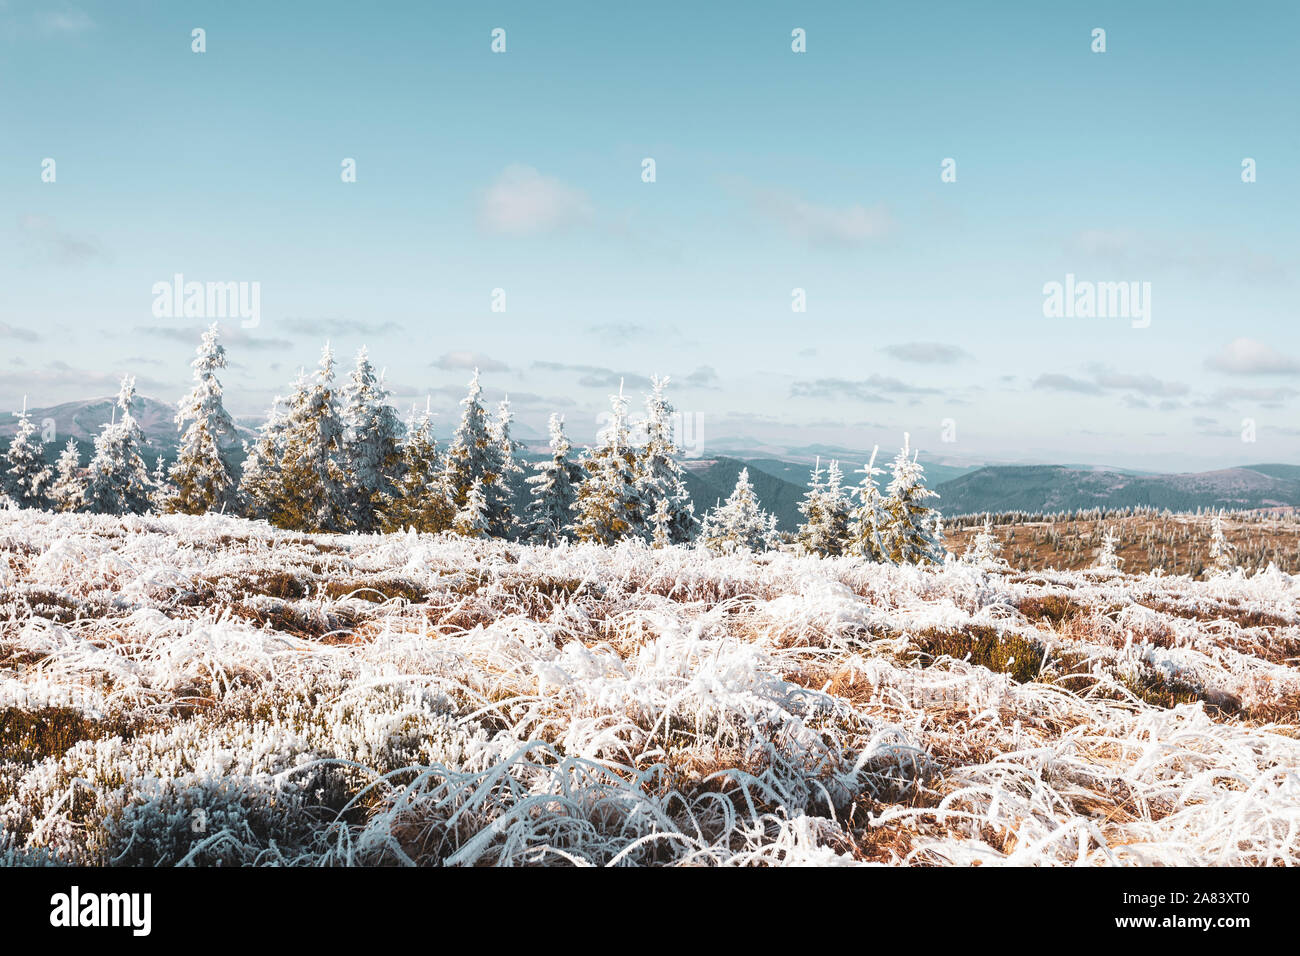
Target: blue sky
{"x": 775, "y": 170}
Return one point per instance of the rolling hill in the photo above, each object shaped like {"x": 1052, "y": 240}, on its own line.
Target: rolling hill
{"x": 1057, "y": 488}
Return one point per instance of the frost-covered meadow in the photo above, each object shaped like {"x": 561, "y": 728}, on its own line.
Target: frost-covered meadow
{"x": 207, "y": 690}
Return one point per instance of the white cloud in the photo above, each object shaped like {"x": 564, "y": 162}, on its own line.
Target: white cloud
{"x": 1196, "y": 255}
{"x": 44, "y": 235}
{"x": 873, "y": 388}
{"x": 467, "y": 361}
{"x": 818, "y": 224}
{"x": 64, "y": 19}
{"x": 1066, "y": 383}
{"x": 1143, "y": 384}
{"x": 230, "y": 336}
{"x": 926, "y": 353}
{"x": 523, "y": 202}
{"x": 1252, "y": 357}
{"x": 319, "y": 327}
{"x": 8, "y": 331}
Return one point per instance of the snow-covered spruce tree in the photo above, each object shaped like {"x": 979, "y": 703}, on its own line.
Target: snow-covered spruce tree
{"x": 660, "y": 525}
{"x": 68, "y": 493}
{"x": 811, "y": 507}
{"x": 314, "y": 485}
{"x": 826, "y": 508}
{"x": 985, "y": 549}
{"x": 162, "y": 494}
{"x": 27, "y": 477}
{"x": 473, "y": 454}
{"x": 659, "y": 473}
{"x": 261, "y": 488}
{"x": 609, "y": 507}
{"x": 1221, "y": 549}
{"x": 419, "y": 498}
{"x": 554, "y": 491}
{"x": 503, "y": 463}
{"x": 914, "y": 533}
{"x": 740, "y": 522}
{"x": 372, "y": 449}
{"x": 472, "y": 519}
{"x": 869, "y": 519}
{"x": 839, "y": 507}
{"x": 118, "y": 480}
{"x": 204, "y": 480}
{"x": 1108, "y": 558}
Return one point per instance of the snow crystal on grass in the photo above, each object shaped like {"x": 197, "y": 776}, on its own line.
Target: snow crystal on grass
{"x": 203, "y": 690}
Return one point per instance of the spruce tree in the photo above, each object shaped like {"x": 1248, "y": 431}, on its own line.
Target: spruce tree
{"x": 68, "y": 493}
{"x": 27, "y": 477}
{"x": 868, "y": 520}
{"x": 372, "y": 448}
{"x": 809, "y": 533}
{"x": 661, "y": 525}
{"x": 740, "y": 522}
{"x": 659, "y": 474}
{"x": 119, "y": 481}
{"x": 554, "y": 491}
{"x": 162, "y": 494}
{"x": 204, "y": 480}
{"x": 914, "y": 534}
{"x": 472, "y": 454}
{"x": 826, "y": 508}
{"x": 839, "y": 508}
{"x": 1108, "y": 558}
{"x": 985, "y": 549}
{"x": 609, "y": 507}
{"x": 312, "y": 478}
{"x": 419, "y": 498}
{"x": 504, "y": 470}
{"x": 261, "y": 486}
{"x": 472, "y": 520}
{"x": 1220, "y": 549}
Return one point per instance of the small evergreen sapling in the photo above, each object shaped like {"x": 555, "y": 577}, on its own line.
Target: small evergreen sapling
{"x": 471, "y": 520}
{"x": 1220, "y": 550}
{"x": 1108, "y": 558}
{"x": 161, "y": 492}
{"x": 985, "y": 549}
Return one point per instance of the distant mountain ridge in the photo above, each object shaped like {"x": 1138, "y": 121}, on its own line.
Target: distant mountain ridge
{"x": 1058, "y": 488}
